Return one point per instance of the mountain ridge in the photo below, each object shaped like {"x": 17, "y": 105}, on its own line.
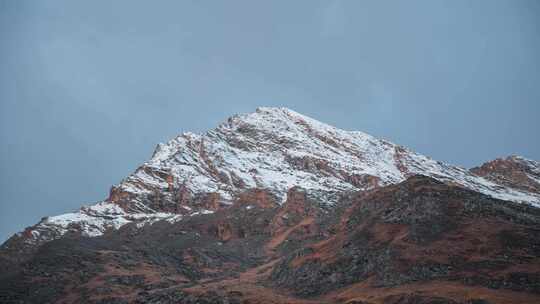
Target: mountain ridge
{"x": 274, "y": 149}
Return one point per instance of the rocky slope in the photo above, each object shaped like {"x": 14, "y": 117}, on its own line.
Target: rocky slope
{"x": 419, "y": 241}
{"x": 275, "y": 207}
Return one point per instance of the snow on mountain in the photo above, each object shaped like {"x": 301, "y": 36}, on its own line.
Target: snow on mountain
{"x": 272, "y": 148}
{"x": 93, "y": 220}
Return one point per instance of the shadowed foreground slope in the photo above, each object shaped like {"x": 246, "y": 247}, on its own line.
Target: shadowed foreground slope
{"x": 419, "y": 241}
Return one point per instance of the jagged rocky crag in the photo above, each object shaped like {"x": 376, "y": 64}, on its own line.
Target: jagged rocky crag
{"x": 275, "y": 207}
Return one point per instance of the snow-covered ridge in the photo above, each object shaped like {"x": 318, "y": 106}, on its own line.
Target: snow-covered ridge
{"x": 272, "y": 148}
{"x": 93, "y": 221}
{"x": 277, "y": 148}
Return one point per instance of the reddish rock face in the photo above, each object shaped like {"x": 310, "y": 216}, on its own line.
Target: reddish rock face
{"x": 311, "y": 164}
{"x": 294, "y": 222}
{"x": 170, "y": 182}
{"x": 211, "y": 201}
{"x": 183, "y": 199}
{"x": 362, "y": 181}
{"x": 116, "y": 195}
{"x": 295, "y": 209}
{"x": 512, "y": 171}
{"x": 224, "y": 231}
{"x": 119, "y": 197}
{"x": 399, "y": 155}
{"x": 256, "y": 197}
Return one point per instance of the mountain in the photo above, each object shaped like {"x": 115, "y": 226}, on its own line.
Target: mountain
{"x": 273, "y": 149}
{"x": 274, "y": 207}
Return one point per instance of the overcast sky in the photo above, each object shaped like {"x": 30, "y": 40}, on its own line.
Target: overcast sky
{"x": 88, "y": 88}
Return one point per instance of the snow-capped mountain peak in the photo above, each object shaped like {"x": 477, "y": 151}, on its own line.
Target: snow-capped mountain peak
{"x": 273, "y": 149}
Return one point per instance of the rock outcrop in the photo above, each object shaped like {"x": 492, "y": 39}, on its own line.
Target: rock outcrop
{"x": 514, "y": 171}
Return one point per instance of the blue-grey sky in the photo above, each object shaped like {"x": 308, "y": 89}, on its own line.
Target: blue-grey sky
{"x": 88, "y": 88}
